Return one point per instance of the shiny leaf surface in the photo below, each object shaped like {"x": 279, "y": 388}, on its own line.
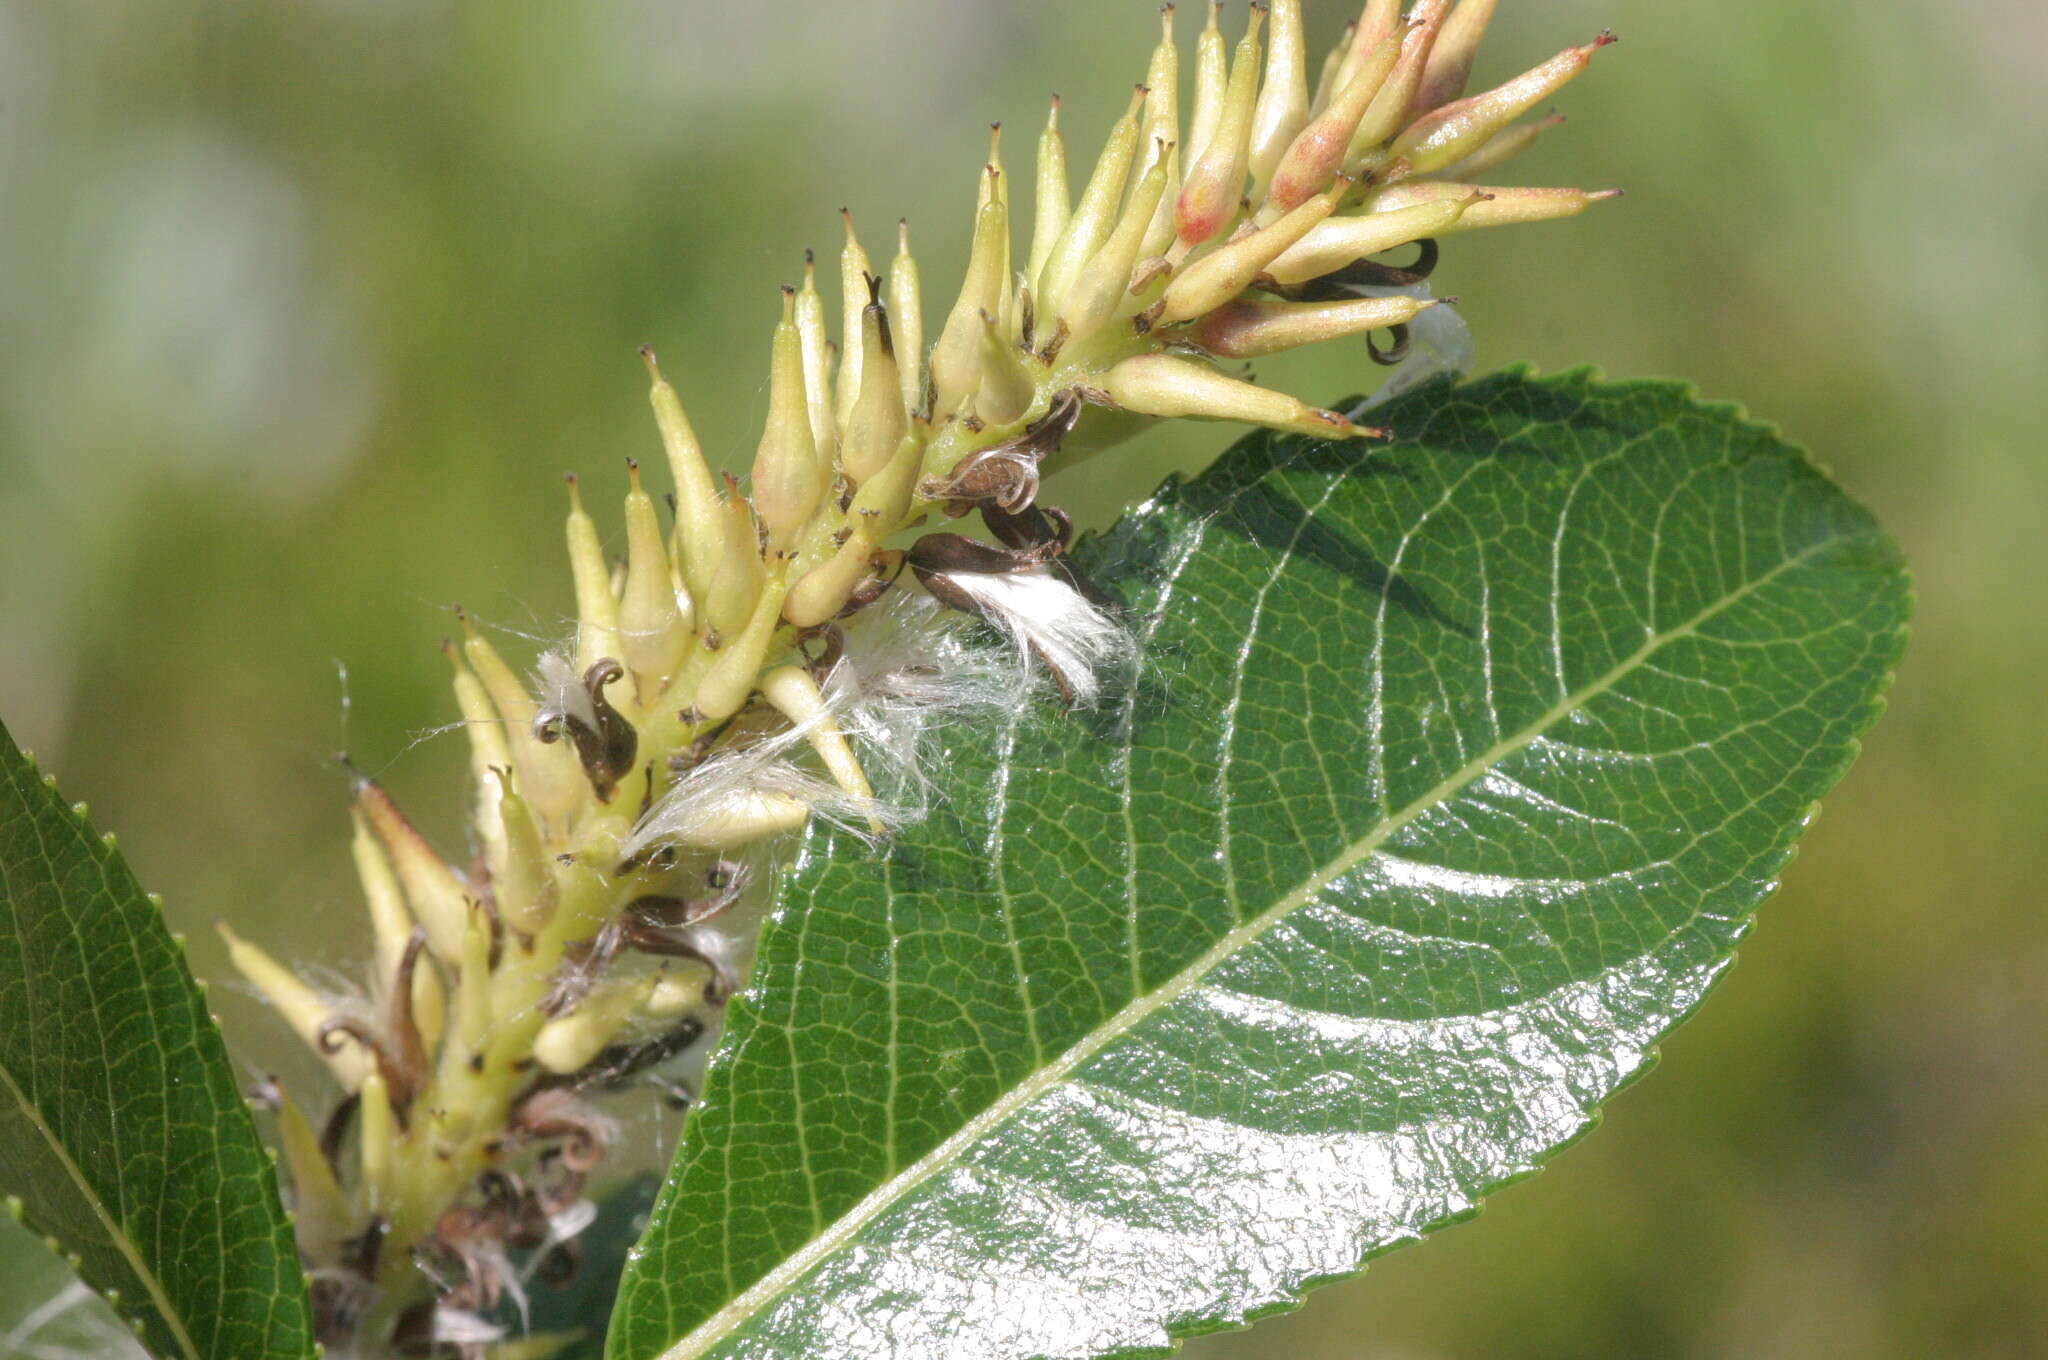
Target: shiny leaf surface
{"x": 1451, "y": 775}
{"x": 122, "y": 1134}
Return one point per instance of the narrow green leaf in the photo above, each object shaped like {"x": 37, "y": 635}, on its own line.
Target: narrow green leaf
{"x": 1451, "y": 777}
{"x": 121, "y": 1131}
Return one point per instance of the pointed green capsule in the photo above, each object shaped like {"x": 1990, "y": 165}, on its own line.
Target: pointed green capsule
{"x": 1489, "y": 205}
{"x": 1458, "y": 129}
{"x": 906, "y": 311}
{"x": 1051, "y": 205}
{"x": 1228, "y": 270}
{"x": 1316, "y": 155}
{"x": 1282, "y": 109}
{"x": 1215, "y": 182}
{"x": 736, "y": 585}
{"x": 320, "y": 1208}
{"x": 853, "y": 295}
{"x": 1106, "y": 279}
{"x": 1501, "y": 148}
{"x": 697, "y": 535}
{"x": 1212, "y": 68}
{"x": 787, "y": 484}
{"x": 732, "y": 676}
{"x": 879, "y": 420}
{"x": 488, "y": 750}
{"x": 653, "y": 631}
{"x": 569, "y": 1042}
{"x": 473, "y": 984}
{"x": 995, "y": 188}
{"x": 1342, "y": 241}
{"x": 1377, "y": 21}
{"x": 795, "y": 695}
{"x": 391, "y": 920}
{"x": 548, "y": 773}
{"x": 956, "y": 361}
{"x": 1163, "y": 385}
{"x": 377, "y": 1137}
{"x": 302, "y": 1008}
{"x": 1450, "y": 60}
{"x": 1095, "y": 215}
{"x": 823, "y": 591}
{"x": 1162, "y": 128}
{"x": 1007, "y": 387}
{"x": 436, "y": 893}
{"x": 597, "y": 608}
{"x": 526, "y": 889}
{"x": 1388, "y": 111}
{"x": 1247, "y": 329}
{"x": 810, "y": 326}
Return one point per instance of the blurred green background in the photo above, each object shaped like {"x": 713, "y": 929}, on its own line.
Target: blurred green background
{"x": 304, "y": 308}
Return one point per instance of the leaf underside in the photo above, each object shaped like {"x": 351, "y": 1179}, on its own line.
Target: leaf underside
{"x": 1452, "y": 772}
{"x": 121, "y": 1131}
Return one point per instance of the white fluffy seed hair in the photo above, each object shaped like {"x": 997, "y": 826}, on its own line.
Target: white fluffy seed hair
{"x": 562, "y": 692}
{"x": 1047, "y": 620}
{"x": 910, "y": 670}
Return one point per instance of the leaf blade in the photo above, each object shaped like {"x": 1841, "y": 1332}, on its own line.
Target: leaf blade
{"x": 121, "y": 1130}
{"x": 1221, "y": 935}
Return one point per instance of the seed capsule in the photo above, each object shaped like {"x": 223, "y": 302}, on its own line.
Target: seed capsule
{"x": 1051, "y": 205}
{"x": 879, "y": 419}
{"x": 1162, "y": 385}
{"x": 1095, "y": 216}
{"x": 301, "y": 1007}
{"x": 569, "y": 1042}
{"x": 653, "y": 632}
{"x": 697, "y": 532}
{"x": 1456, "y": 130}
{"x": 737, "y": 583}
{"x": 1246, "y": 329}
{"x": 906, "y": 312}
{"x": 1105, "y": 281}
{"x": 787, "y": 482}
{"x": 956, "y": 358}
{"x": 1341, "y": 241}
{"x": 1215, "y": 181}
{"x": 795, "y": 695}
{"x": 1450, "y": 60}
{"x": 823, "y": 591}
{"x": 1489, "y": 206}
{"x": 438, "y": 896}
{"x": 853, "y": 295}
{"x": 1282, "y": 108}
{"x": 1317, "y": 154}
{"x": 1228, "y": 270}
{"x": 597, "y": 609}
{"x": 1389, "y": 108}
{"x": 817, "y": 350}
{"x": 1212, "y": 71}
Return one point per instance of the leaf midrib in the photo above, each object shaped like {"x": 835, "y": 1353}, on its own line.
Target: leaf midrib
{"x": 793, "y": 1267}
{"x": 116, "y": 1232}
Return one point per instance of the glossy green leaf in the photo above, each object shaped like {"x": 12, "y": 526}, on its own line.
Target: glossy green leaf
{"x": 1452, "y": 773}
{"x": 122, "y": 1134}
